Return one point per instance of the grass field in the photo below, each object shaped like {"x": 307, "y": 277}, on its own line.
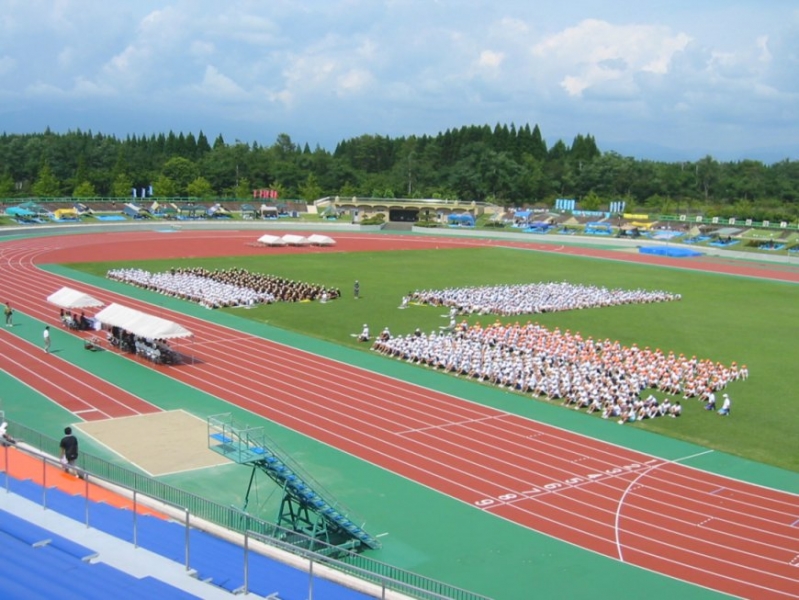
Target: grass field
{"x": 722, "y": 318}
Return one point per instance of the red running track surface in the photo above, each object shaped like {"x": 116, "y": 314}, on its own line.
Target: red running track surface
{"x": 661, "y": 515}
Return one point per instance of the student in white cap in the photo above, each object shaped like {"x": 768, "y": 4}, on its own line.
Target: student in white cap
{"x": 725, "y": 406}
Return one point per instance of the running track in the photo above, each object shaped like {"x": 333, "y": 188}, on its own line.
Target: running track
{"x": 660, "y": 515}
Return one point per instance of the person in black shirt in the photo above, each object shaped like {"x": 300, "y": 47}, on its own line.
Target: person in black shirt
{"x": 69, "y": 452}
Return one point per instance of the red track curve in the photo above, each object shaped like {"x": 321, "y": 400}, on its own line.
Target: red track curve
{"x": 661, "y": 515}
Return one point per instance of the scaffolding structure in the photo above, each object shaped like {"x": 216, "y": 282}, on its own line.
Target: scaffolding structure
{"x": 305, "y": 508}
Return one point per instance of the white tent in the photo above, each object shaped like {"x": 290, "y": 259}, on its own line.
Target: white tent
{"x": 140, "y": 324}
{"x": 321, "y": 240}
{"x": 271, "y": 240}
{"x": 69, "y": 298}
{"x": 295, "y": 240}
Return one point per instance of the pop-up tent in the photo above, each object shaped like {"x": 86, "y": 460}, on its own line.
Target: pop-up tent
{"x": 141, "y": 324}
{"x": 268, "y": 211}
{"x": 68, "y": 298}
{"x": 271, "y": 240}
{"x": 321, "y": 240}
{"x": 296, "y": 240}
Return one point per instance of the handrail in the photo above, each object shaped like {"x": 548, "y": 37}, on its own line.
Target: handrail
{"x": 387, "y": 577}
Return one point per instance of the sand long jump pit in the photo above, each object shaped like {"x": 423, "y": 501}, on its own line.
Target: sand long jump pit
{"x": 160, "y": 443}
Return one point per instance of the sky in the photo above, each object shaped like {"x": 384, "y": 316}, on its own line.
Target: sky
{"x": 673, "y": 80}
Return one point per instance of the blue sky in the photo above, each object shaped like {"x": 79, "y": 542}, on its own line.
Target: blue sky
{"x": 672, "y": 80}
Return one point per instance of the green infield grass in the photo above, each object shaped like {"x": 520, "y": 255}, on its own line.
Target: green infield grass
{"x": 720, "y": 317}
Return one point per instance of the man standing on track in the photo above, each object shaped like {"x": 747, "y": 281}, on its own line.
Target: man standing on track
{"x": 9, "y": 312}
{"x": 46, "y": 336}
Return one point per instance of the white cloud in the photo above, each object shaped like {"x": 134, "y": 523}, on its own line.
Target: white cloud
{"x": 218, "y": 85}
{"x": 595, "y": 52}
{"x": 353, "y": 81}
{"x": 344, "y": 67}
{"x": 490, "y": 60}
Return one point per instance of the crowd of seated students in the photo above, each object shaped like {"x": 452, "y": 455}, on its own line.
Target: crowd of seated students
{"x": 78, "y": 322}
{"x": 224, "y": 287}
{"x": 157, "y": 351}
{"x": 598, "y": 375}
{"x": 535, "y": 298}
{"x": 283, "y": 289}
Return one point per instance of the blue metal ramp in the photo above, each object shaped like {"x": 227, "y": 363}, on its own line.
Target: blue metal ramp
{"x": 305, "y": 508}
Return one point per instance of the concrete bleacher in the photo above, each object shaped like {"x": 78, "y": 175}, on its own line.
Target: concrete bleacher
{"x": 215, "y": 563}
{"x": 37, "y": 563}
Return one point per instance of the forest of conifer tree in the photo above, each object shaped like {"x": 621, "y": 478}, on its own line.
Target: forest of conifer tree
{"x": 504, "y": 164}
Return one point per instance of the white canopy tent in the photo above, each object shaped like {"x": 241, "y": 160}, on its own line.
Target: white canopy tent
{"x": 141, "y": 324}
{"x": 68, "y": 298}
{"x": 271, "y": 240}
{"x": 295, "y": 240}
{"x": 321, "y": 240}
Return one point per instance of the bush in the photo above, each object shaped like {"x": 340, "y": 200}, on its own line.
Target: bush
{"x": 377, "y": 219}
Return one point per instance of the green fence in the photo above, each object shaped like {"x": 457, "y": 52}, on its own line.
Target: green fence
{"x": 384, "y": 576}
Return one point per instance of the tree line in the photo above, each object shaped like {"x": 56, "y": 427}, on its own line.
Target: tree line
{"x": 501, "y": 164}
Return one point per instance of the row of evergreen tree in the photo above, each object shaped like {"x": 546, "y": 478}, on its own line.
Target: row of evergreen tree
{"x": 503, "y": 164}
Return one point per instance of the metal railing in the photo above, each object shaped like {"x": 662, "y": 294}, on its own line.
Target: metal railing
{"x": 380, "y": 579}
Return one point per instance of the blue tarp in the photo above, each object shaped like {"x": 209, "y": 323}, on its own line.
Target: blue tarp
{"x": 19, "y": 211}
{"x": 538, "y": 227}
{"x": 464, "y": 220}
{"x": 522, "y": 214}
{"x": 671, "y": 251}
